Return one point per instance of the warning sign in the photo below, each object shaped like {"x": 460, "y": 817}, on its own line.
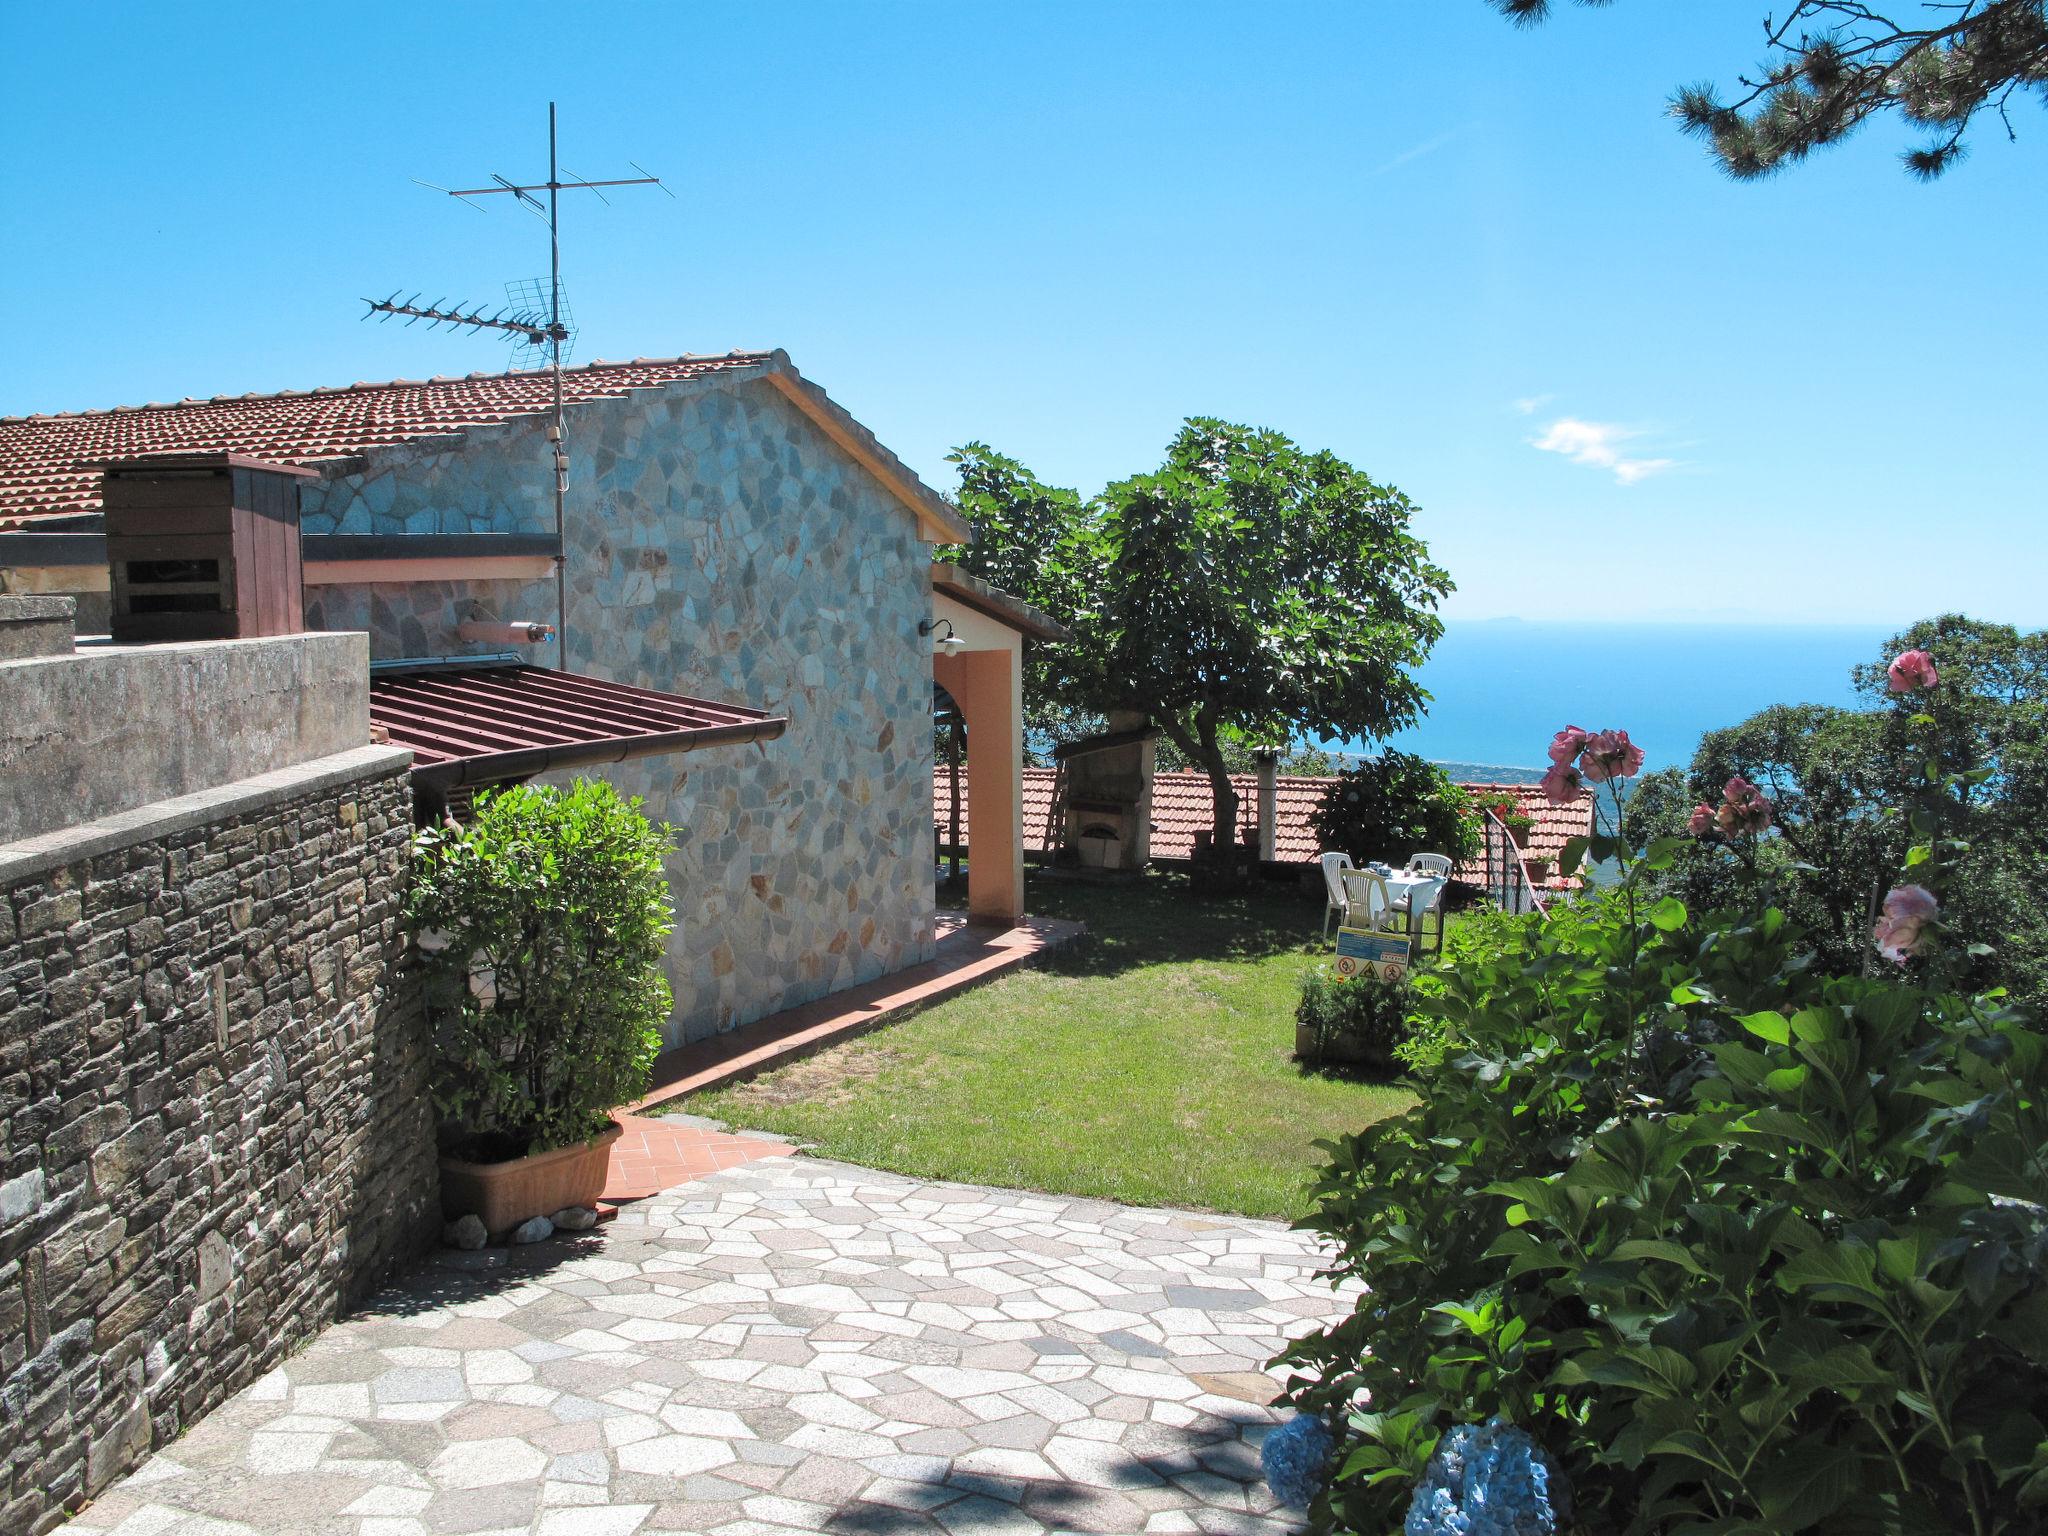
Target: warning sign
{"x": 1362, "y": 952}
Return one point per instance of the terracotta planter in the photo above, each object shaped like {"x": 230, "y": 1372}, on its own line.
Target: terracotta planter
{"x": 1539, "y": 870}
{"x": 505, "y": 1194}
{"x": 1520, "y": 835}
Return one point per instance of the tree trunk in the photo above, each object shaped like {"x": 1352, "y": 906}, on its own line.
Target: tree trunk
{"x": 1199, "y": 745}
{"x": 1222, "y": 793}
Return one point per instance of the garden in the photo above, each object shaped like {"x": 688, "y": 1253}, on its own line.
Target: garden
{"x": 1688, "y": 1230}
{"x": 1154, "y": 1066}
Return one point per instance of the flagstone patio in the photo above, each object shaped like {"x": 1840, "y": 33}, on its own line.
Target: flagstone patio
{"x": 786, "y": 1346}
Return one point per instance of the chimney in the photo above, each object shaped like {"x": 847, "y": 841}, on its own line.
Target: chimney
{"x": 203, "y": 547}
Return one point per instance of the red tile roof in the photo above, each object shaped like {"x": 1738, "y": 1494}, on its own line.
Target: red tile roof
{"x": 484, "y": 725}
{"x": 1182, "y": 802}
{"x": 1555, "y": 825}
{"x": 47, "y": 462}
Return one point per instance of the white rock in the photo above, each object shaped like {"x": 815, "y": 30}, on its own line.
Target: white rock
{"x": 465, "y": 1232}
{"x": 534, "y": 1231}
{"x": 577, "y": 1218}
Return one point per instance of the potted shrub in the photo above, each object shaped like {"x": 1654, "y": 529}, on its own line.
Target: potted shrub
{"x": 1518, "y": 827}
{"x": 1539, "y": 868}
{"x": 542, "y": 929}
{"x": 1359, "y": 1022}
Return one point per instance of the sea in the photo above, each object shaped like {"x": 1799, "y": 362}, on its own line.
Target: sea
{"x": 1500, "y": 688}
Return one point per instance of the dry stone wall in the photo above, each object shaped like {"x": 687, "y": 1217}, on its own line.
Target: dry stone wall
{"x": 212, "y": 1105}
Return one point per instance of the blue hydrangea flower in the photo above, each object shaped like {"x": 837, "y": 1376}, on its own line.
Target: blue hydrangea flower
{"x": 1295, "y": 1458}
{"x": 1489, "y": 1480}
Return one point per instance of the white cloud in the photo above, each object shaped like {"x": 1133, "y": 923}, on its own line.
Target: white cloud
{"x": 1529, "y": 405}
{"x": 1427, "y": 147}
{"x": 1599, "y": 444}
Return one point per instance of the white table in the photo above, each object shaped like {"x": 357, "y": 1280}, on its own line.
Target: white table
{"x": 1402, "y": 889}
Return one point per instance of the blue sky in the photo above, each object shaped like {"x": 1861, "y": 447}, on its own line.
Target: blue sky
{"x": 1475, "y": 261}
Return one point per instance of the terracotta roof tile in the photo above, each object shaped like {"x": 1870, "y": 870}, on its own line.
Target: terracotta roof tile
{"x": 1181, "y": 805}
{"x": 48, "y": 463}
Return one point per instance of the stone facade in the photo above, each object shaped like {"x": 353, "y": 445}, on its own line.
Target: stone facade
{"x": 212, "y": 1105}
{"x": 719, "y": 545}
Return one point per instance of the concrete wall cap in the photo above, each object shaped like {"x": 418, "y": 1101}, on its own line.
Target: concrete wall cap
{"x": 33, "y": 857}
{"x": 36, "y": 610}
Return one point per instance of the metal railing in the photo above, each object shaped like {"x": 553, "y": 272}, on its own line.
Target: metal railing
{"x": 1508, "y": 884}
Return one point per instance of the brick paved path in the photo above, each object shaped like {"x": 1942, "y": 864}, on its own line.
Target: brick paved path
{"x": 786, "y": 1346}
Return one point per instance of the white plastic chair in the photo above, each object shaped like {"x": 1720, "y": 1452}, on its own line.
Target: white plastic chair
{"x": 1334, "y": 864}
{"x": 1430, "y": 864}
{"x": 1366, "y": 893}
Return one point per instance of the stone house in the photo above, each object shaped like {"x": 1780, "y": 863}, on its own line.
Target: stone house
{"x": 730, "y": 534}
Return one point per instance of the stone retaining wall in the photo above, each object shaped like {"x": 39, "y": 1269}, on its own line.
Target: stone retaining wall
{"x": 212, "y": 1105}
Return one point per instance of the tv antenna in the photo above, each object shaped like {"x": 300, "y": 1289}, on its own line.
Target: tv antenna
{"x": 536, "y": 319}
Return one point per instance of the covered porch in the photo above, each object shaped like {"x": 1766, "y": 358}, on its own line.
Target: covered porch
{"x": 978, "y": 637}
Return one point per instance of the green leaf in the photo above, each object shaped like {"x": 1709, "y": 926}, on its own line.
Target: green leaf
{"x": 1768, "y": 1026}
{"x": 1668, "y": 916}
{"x": 1846, "y": 1367}
{"x": 1572, "y": 854}
{"x": 1695, "y": 1446}
{"x": 1663, "y": 852}
{"x": 1659, "y": 1248}
{"x": 1809, "y": 1482}
{"x": 1811, "y": 1026}
{"x": 1787, "y": 1080}
{"x": 1478, "y": 1321}
{"x": 1795, "y": 1128}
{"x": 1842, "y": 1269}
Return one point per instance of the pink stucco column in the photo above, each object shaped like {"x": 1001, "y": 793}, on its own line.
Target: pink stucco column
{"x": 989, "y": 688}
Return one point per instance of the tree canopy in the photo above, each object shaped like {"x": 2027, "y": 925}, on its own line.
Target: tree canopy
{"x": 1246, "y": 590}
{"x": 1829, "y": 66}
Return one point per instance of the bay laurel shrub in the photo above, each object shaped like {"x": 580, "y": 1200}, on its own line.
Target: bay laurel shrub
{"x": 1393, "y": 805}
{"x": 543, "y": 927}
{"x": 1744, "y": 1246}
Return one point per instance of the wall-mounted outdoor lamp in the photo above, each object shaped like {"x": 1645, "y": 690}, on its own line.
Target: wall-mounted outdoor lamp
{"x": 945, "y": 644}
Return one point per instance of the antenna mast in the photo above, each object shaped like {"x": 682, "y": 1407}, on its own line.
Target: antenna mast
{"x": 547, "y": 333}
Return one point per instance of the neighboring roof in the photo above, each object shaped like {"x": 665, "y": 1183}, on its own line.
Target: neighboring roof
{"x": 50, "y": 465}
{"x": 971, "y": 591}
{"x": 485, "y": 725}
{"x": 1182, "y": 804}
{"x": 1555, "y": 825}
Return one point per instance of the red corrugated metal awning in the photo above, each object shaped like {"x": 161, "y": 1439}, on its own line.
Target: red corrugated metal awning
{"x": 490, "y": 724}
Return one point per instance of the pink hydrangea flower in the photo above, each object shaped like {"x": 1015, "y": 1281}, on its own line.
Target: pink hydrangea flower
{"x": 1910, "y": 670}
{"x": 1567, "y": 743}
{"x": 1745, "y": 809}
{"x": 1610, "y": 755}
{"x": 1901, "y": 931}
{"x": 1561, "y": 785}
{"x": 1701, "y": 822}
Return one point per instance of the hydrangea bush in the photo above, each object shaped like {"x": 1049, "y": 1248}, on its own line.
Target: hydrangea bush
{"x": 1738, "y": 1245}
{"x": 1295, "y": 1458}
{"x": 1488, "y": 1480}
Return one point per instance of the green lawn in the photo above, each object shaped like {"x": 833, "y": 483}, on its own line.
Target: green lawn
{"x": 1153, "y": 1067}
